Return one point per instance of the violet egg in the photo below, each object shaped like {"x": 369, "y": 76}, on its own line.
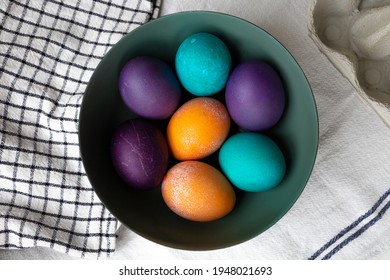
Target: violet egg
{"x": 255, "y": 95}
{"x": 139, "y": 154}
{"x": 149, "y": 87}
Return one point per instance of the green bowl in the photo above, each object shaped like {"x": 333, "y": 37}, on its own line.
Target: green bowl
{"x": 145, "y": 212}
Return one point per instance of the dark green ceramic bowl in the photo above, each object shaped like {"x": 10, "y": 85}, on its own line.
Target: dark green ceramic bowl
{"x": 145, "y": 212}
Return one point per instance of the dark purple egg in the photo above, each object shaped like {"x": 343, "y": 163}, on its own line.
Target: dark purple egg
{"x": 149, "y": 87}
{"x": 139, "y": 154}
{"x": 255, "y": 96}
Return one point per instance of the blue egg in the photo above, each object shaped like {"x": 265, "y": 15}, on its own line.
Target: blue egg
{"x": 252, "y": 162}
{"x": 203, "y": 64}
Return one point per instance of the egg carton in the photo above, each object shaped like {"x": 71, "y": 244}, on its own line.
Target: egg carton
{"x": 355, "y": 36}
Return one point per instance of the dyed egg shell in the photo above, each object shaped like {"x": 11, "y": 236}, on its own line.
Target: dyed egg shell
{"x": 198, "y": 128}
{"x": 252, "y": 162}
{"x": 149, "y": 87}
{"x": 139, "y": 154}
{"x": 255, "y": 96}
{"x": 197, "y": 191}
{"x": 203, "y": 64}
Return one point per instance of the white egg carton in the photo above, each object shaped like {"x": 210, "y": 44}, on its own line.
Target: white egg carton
{"x": 355, "y": 36}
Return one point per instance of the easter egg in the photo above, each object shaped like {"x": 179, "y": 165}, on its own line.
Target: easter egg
{"x": 255, "y": 96}
{"x": 197, "y": 191}
{"x": 252, "y": 162}
{"x": 139, "y": 154}
{"x": 198, "y": 128}
{"x": 149, "y": 87}
{"x": 203, "y": 64}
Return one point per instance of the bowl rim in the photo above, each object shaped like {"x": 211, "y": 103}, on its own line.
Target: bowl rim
{"x": 200, "y": 247}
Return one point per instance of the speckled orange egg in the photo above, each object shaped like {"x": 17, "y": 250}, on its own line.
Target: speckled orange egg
{"x": 197, "y": 191}
{"x": 198, "y": 128}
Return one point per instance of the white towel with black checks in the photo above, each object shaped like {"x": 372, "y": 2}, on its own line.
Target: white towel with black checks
{"x": 48, "y": 51}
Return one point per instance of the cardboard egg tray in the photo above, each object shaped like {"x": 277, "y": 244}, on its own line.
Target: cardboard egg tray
{"x": 355, "y": 36}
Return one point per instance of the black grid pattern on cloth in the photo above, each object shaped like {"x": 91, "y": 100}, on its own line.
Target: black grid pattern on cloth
{"x": 48, "y": 51}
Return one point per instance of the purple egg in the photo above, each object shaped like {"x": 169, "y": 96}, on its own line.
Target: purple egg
{"x": 149, "y": 87}
{"x": 255, "y": 95}
{"x": 139, "y": 154}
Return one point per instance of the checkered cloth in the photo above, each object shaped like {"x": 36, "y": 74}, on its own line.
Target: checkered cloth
{"x": 48, "y": 51}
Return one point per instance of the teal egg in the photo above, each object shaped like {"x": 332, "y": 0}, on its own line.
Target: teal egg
{"x": 252, "y": 162}
{"x": 203, "y": 63}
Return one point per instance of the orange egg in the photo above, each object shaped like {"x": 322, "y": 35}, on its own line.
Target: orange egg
{"x": 197, "y": 191}
{"x": 198, "y": 128}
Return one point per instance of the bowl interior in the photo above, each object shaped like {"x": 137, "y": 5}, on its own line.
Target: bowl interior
{"x": 145, "y": 212}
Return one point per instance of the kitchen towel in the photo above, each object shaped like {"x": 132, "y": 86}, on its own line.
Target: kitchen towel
{"x": 48, "y": 51}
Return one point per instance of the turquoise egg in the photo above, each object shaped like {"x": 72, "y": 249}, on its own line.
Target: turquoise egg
{"x": 252, "y": 162}
{"x": 203, "y": 63}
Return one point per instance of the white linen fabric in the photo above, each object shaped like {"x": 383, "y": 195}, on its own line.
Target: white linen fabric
{"x": 343, "y": 211}
{"x": 48, "y": 51}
